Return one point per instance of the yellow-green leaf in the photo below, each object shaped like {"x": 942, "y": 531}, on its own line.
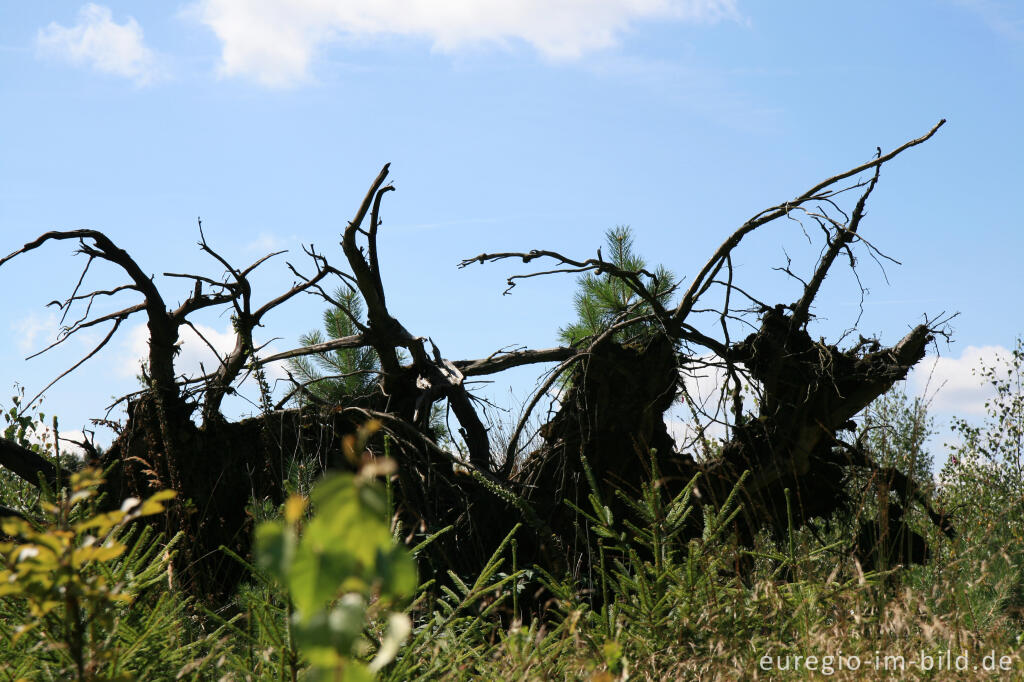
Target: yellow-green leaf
{"x": 103, "y": 553}
{"x": 153, "y": 505}
{"x": 294, "y": 508}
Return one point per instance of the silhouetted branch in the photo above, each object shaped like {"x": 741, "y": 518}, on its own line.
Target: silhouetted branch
{"x": 26, "y": 464}
{"x": 817, "y": 193}
{"x": 598, "y": 266}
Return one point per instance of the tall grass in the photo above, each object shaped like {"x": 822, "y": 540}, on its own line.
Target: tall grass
{"x": 655, "y": 607}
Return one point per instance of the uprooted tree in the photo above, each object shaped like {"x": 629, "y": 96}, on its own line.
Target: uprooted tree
{"x": 616, "y": 389}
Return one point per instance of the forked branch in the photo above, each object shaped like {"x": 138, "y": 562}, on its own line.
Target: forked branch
{"x": 820, "y": 192}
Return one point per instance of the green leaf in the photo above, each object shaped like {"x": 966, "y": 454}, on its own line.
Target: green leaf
{"x": 328, "y": 636}
{"x": 316, "y": 576}
{"x": 352, "y": 671}
{"x": 397, "y": 572}
{"x": 274, "y": 549}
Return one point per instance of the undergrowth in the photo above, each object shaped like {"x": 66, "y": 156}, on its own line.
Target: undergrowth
{"x": 334, "y": 595}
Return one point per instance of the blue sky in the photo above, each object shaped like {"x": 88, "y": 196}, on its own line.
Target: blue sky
{"x": 509, "y": 126}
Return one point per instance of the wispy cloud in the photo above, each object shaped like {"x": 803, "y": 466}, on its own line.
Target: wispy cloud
{"x": 100, "y": 43}
{"x": 266, "y": 242}
{"x": 997, "y": 16}
{"x": 951, "y": 382}
{"x": 444, "y": 223}
{"x": 274, "y": 41}
{"x": 28, "y": 329}
{"x": 708, "y": 92}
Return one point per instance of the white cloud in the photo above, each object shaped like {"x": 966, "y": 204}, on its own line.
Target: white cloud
{"x": 684, "y": 432}
{"x": 66, "y": 444}
{"x": 274, "y": 41}
{"x": 99, "y": 42}
{"x": 703, "y": 383}
{"x": 194, "y": 355}
{"x": 28, "y": 329}
{"x": 43, "y": 435}
{"x": 956, "y": 388}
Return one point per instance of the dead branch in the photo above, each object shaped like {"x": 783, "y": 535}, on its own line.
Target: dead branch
{"x": 355, "y": 341}
{"x": 844, "y": 235}
{"x": 613, "y": 408}
{"x": 434, "y": 378}
{"x": 27, "y": 465}
{"x": 598, "y": 266}
{"x": 245, "y": 320}
{"x": 819, "y": 192}
{"x": 498, "y": 363}
{"x": 163, "y": 333}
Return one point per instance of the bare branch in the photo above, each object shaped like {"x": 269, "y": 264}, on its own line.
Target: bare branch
{"x": 163, "y": 332}
{"x": 387, "y": 331}
{"x": 494, "y": 364}
{"x": 261, "y": 261}
{"x": 355, "y": 341}
{"x": 818, "y": 192}
{"x": 26, "y": 464}
{"x": 598, "y": 266}
{"x": 63, "y": 336}
{"x": 204, "y": 246}
{"x": 322, "y": 272}
{"x": 194, "y": 303}
{"x": 301, "y": 386}
{"x": 203, "y": 338}
{"x": 200, "y": 278}
{"x": 845, "y": 234}
{"x": 117, "y": 323}
{"x": 372, "y": 238}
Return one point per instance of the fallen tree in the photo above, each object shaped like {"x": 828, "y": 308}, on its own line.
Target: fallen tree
{"x": 610, "y": 415}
